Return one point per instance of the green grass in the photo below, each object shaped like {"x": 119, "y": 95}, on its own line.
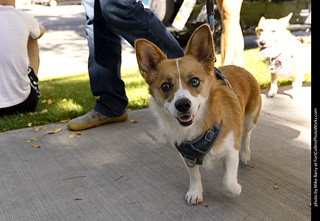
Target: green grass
{"x": 71, "y": 95}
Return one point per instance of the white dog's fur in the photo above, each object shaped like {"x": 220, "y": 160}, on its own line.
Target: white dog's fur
{"x": 285, "y": 55}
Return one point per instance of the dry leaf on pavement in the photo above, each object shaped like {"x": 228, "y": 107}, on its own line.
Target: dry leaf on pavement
{"x": 35, "y": 145}
{"x": 37, "y": 128}
{"x": 76, "y": 132}
{"x": 32, "y": 139}
{"x": 65, "y": 121}
{"x": 275, "y": 186}
{"x": 54, "y": 131}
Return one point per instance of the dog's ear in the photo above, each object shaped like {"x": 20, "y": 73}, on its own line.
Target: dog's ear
{"x": 261, "y": 20}
{"x": 286, "y": 19}
{"x": 148, "y": 58}
{"x": 201, "y": 46}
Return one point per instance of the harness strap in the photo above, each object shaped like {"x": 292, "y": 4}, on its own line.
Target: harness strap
{"x": 220, "y": 76}
{"x": 194, "y": 151}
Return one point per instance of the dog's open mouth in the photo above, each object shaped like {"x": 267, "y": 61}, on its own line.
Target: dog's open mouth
{"x": 264, "y": 52}
{"x": 185, "y": 120}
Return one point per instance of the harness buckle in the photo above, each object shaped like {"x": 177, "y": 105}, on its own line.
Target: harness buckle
{"x": 208, "y": 133}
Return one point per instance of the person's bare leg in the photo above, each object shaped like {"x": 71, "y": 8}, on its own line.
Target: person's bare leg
{"x": 232, "y": 43}
{"x": 33, "y": 53}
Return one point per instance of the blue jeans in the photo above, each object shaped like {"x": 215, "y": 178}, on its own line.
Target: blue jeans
{"x": 107, "y": 20}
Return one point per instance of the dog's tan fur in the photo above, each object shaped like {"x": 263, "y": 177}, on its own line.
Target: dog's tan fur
{"x": 238, "y": 109}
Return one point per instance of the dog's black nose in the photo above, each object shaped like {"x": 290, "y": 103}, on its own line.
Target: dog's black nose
{"x": 183, "y": 105}
{"x": 262, "y": 43}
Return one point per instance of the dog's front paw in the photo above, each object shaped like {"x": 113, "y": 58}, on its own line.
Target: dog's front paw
{"x": 232, "y": 189}
{"x": 272, "y": 93}
{"x": 273, "y": 90}
{"x": 193, "y": 197}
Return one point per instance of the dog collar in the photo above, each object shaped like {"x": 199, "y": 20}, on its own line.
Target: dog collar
{"x": 220, "y": 75}
{"x": 194, "y": 151}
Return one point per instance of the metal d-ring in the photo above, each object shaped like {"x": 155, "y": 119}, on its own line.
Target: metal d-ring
{"x": 190, "y": 163}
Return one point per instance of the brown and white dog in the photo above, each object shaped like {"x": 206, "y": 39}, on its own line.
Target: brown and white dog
{"x": 285, "y": 54}
{"x": 189, "y": 100}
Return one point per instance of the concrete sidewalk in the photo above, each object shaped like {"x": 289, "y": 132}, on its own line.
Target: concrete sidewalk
{"x": 126, "y": 171}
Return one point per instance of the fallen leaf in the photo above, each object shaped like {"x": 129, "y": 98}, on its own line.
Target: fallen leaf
{"x": 49, "y": 102}
{"x": 35, "y": 145}
{"x": 133, "y": 121}
{"x": 44, "y": 101}
{"x": 71, "y": 136}
{"x": 37, "y": 128}
{"x": 76, "y": 132}
{"x": 49, "y": 88}
{"x": 29, "y": 124}
{"x": 65, "y": 121}
{"x": 248, "y": 165}
{"x": 63, "y": 100}
{"x": 44, "y": 111}
{"x": 120, "y": 177}
{"x": 54, "y": 131}
{"x": 275, "y": 186}
{"x": 32, "y": 139}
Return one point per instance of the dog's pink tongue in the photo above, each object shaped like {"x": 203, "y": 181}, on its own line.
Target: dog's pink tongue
{"x": 263, "y": 52}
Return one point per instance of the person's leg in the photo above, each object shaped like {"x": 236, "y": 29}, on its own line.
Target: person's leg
{"x": 104, "y": 68}
{"x": 33, "y": 53}
{"x": 104, "y": 71}
{"x": 104, "y": 63}
{"x": 232, "y": 43}
{"x": 132, "y": 21}
{"x": 104, "y": 26}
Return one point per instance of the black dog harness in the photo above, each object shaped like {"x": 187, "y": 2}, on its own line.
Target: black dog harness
{"x": 194, "y": 151}
{"x": 220, "y": 76}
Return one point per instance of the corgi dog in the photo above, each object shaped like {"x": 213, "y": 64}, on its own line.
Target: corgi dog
{"x": 286, "y": 55}
{"x": 208, "y": 116}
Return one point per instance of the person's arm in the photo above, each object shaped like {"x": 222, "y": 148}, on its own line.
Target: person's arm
{"x": 42, "y": 30}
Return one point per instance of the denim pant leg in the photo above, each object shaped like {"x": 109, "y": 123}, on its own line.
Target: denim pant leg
{"x": 132, "y": 21}
{"x": 104, "y": 63}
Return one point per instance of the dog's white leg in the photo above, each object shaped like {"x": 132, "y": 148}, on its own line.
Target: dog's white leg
{"x": 230, "y": 180}
{"x": 245, "y": 152}
{"x": 248, "y": 126}
{"x": 194, "y": 195}
{"x": 296, "y": 85}
{"x": 274, "y": 86}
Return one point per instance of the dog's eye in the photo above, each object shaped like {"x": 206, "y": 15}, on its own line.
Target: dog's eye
{"x": 195, "y": 82}
{"x": 165, "y": 87}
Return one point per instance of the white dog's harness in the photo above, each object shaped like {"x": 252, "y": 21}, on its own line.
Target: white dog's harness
{"x": 194, "y": 151}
